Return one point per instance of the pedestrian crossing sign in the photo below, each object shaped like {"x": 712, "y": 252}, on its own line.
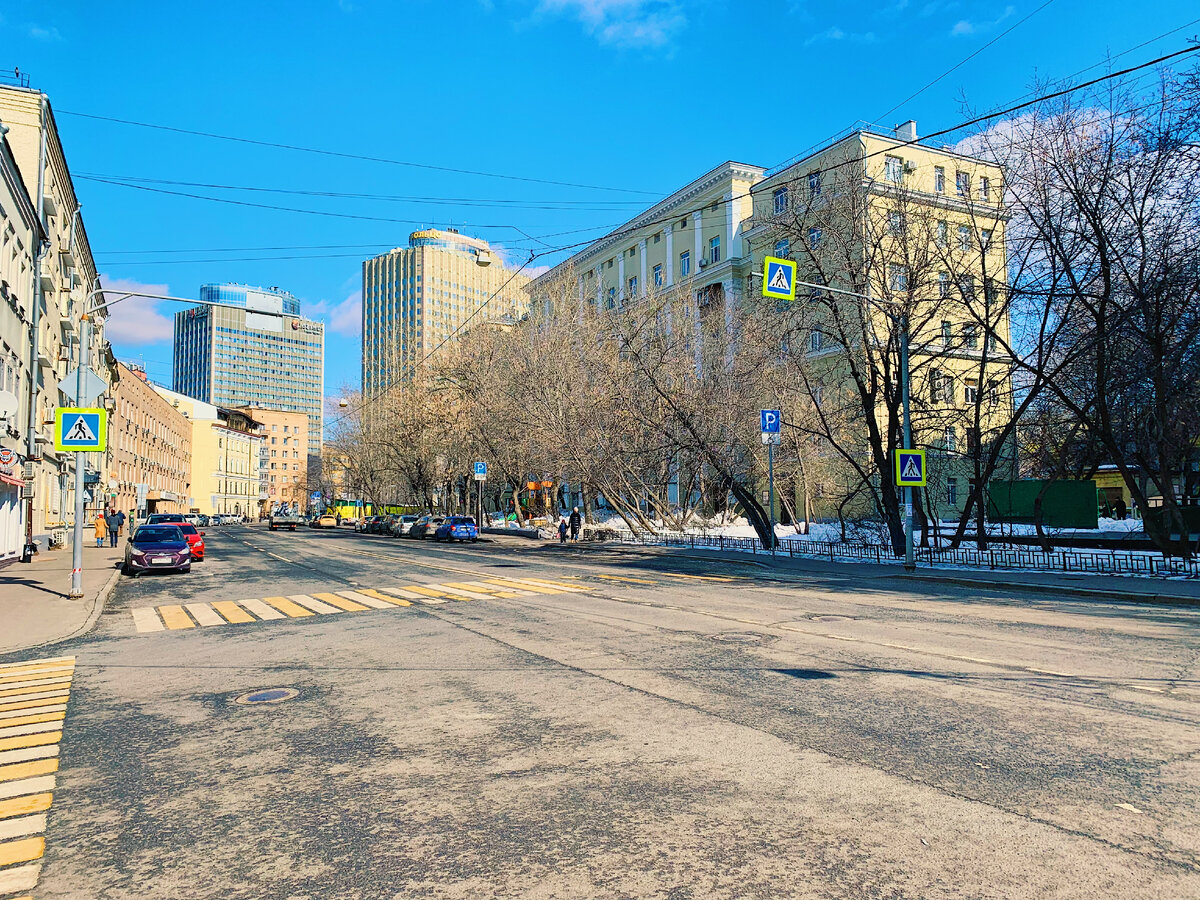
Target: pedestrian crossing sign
{"x": 910, "y": 468}
{"x": 83, "y": 430}
{"x": 779, "y": 278}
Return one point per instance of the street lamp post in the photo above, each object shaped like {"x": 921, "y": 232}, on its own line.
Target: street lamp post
{"x": 901, "y": 320}
{"x": 85, "y": 341}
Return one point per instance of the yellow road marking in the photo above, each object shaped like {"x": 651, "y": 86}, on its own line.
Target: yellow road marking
{"x": 315, "y": 605}
{"x": 34, "y": 678}
{"x": 28, "y": 769}
{"x": 413, "y": 595}
{"x": 546, "y": 582}
{"x": 35, "y": 672}
{"x": 261, "y": 609}
{"x": 340, "y": 602}
{"x": 10, "y": 716}
{"x": 35, "y": 685}
{"x": 23, "y": 806}
{"x": 30, "y": 720}
{"x": 620, "y": 578}
{"x": 421, "y": 589}
{"x": 361, "y": 598}
{"x": 458, "y": 593}
{"x": 204, "y": 614}
{"x": 483, "y": 591}
{"x": 24, "y": 850}
{"x": 536, "y": 588}
{"x": 385, "y": 597}
{"x": 53, "y": 660}
{"x": 36, "y": 688}
{"x": 146, "y": 619}
{"x": 37, "y": 699}
{"x": 175, "y": 618}
{"x": 21, "y": 878}
{"x": 697, "y": 577}
{"x": 232, "y": 612}
{"x": 30, "y": 740}
{"x": 287, "y": 607}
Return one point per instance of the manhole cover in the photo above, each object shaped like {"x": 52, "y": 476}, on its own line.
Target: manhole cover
{"x": 742, "y": 637}
{"x": 830, "y": 618}
{"x": 268, "y": 695}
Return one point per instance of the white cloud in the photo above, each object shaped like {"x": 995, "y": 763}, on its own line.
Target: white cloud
{"x": 343, "y": 318}
{"x": 966, "y": 27}
{"x": 138, "y": 320}
{"x": 44, "y": 33}
{"x": 837, "y": 34}
{"x": 624, "y": 23}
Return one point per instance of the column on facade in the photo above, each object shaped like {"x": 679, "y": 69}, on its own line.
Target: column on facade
{"x": 620, "y": 274}
{"x": 642, "y": 276}
{"x": 669, "y": 264}
{"x": 730, "y": 226}
{"x": 600, "y": 286}
{"x": 698, "y": 254}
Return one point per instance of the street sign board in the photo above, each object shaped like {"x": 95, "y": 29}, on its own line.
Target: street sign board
{"x": 93, "y": 386}
{"x": 772, "y": 437}
{"x": 481, "y": 471}
{"x": 771, "y": 420}
{"x": 779, "y": 278}
{"x": 78, "y": 429}
{"x": 910, "y": 468}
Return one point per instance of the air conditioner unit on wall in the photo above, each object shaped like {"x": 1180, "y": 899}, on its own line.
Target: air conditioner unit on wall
{"x": 702, "y": 262}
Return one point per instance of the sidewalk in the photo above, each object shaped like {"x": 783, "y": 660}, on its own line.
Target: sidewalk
{"x": 34, "y": 606}
{"x": 1112, "y": 588}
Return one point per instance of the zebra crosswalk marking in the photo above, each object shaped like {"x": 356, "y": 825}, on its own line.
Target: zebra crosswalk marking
{"x": 413, "y": 595}
{"x": 261, "y": 609}
{"x": 204, "y": 614}
{"x": 315, "y": 605}
{"x": 486, "y": 590}
{"x": 532, "y": 588}
{"x": 36, "y": 687}
{"x": 146, "y": 619}
{"x": 544, "y": 582}
{"x": 174, "y": 617}
{"x": 429, "y": 592}
{"x": 454, "y": 591}
{"x": 287, "y": 607}
{"x": 383, "y": 597}
{"x": 343, "y": 603}
{"x": 232, "y": 612}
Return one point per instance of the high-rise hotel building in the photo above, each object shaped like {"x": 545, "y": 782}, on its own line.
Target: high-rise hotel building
{"x": 416, "y": 297}
{"x": 264, "y": 354}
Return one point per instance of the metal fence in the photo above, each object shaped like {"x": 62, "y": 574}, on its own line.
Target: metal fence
{"x": 1102, "y": 562}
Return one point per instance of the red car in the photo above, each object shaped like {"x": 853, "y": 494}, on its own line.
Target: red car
{"x": 194, "y": 538}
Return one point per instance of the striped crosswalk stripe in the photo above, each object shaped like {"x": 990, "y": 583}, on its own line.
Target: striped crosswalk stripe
{"x": 315, "y": 605}
{"x": 31, "y": 713}
{"x": 261, "y": 609}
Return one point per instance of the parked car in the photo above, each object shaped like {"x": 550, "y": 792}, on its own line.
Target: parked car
{"x": 364, "y": 524}
{"x": 378, "y": 524}
{"x": 401, "y": 525}
{"x": 157, "y": 547}
{"x": 165, "y": 518}
{"x": 457, "y": 528}
{"x": 425, "y": 526}
{"x": 195, "y": 539}
{"x": 325, "y": 521}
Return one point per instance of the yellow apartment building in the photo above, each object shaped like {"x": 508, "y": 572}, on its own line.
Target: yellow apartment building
{"x": 149, "y": 457}
{"x": 226, "y": 452}
{"x": 283, "y": 457}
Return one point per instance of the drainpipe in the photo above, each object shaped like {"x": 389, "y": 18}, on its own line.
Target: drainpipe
{"x": 31, "y": 449}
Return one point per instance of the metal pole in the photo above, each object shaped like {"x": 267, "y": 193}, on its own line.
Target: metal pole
{"x": 771, "y": 493}
{"x": 909, "y": 564}
{"x": 84, "y": 358}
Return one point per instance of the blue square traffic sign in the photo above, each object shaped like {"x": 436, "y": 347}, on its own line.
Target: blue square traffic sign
{"x": 771, "y": 421}
{"x": 779, "y": 278}
{"x": 80, "y": 429}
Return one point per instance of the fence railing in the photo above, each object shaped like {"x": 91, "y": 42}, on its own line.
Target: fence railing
{"x": 1102, "y": 562}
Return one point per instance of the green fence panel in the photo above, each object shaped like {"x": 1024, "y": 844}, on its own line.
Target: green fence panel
{"x": 1065, "y": 504}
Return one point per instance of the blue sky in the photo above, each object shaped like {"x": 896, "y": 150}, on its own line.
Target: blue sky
{"x": 636, "y": 95}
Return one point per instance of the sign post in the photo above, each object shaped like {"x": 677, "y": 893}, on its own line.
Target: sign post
{"x": 480, "y": 478}
{"x": 770, "y": 421}
{"x": 910, "y": 473}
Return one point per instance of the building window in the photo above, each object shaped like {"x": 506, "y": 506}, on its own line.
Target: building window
{"x": 658, "y": 237}
{"x": 893, "y": 169}
{"x": 633, "y": 286}
{"x": 951, "y": 439}
{"x": 896, "y": 223}
{"x": 966, "y": 287}
{"x": 714, "y": 250}
{"x": 943, "y": 234}
{"x": 985, "y": 188}
{"x": 780, "y": 199}
{"x": 943, "y": 284}
{"x": 814, "y": 184}
{"x": 783, "y": 248}
{"x": 816, "y": 340}
{"x": 814, "y": 238}
{"x": 970, "y": 395}
{"x": 971, "y": 336}
{"x": 612, "y": 297}
{"x": 985, "y": 238}
{"x": 898, "y": 278}
{"x": 632, "y": 252}
{"x": 962, "y": 183}
{"x": 952, "y": 491}
{"x": 658, "y": 276}
{"x": 610, "y": 262}
{"x": 964, "y": 237}
{"x": 939, "y": 179}
{"x": 685, "y": 264}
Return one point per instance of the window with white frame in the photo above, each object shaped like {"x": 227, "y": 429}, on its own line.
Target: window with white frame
{"x": 897, "y": 277}
{"x": 814, "y": 238}
{"x": 952, "y": 491}
{"x": 815, "y": 340}
{"x": 783, "y": 248}
{"x": 964, "y": 237}
{"x": 985, "y": 188}
{"x": 947, "y": 333}
{"x": 685, "y": 264}
{"x": 939, "y": 179}
{"x": 970, "y": 391}
{"x": 962, "y": 184}
{"x": 633, "y": 286}
{"x": 985, "y": 237}
{"x": 971, "y": 336}
{"x": 658, "y": 275}
{"x": 780, "y": 200}
{"x": 951, "y": 439}
{"x": 943, "y": 234}
{"x": 714, "y": 250}
{"x": 893, "y": 169}
{"x": 943, "y": 284}
{"x": 814, "y": 184}
{"x": 896, "y": 223}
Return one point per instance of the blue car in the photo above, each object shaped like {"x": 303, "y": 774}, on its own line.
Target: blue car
{"x": 457, "y": 528}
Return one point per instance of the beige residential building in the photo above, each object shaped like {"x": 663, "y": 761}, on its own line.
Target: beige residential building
{"x": 226, "y": 449}
{"x": 65, "y": 274}
{"x": 149, "y": 449}
{"x": 283, "y": 460}
{"x": 417, "y": 297}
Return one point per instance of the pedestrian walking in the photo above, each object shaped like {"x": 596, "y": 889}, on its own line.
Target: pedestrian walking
{"x": 562, "y": 529}
{"x": 113, "y": 524}
{"x": 576, "y": 523}
{"x": 101, "y": 529}
{"x": 120, "y": 522}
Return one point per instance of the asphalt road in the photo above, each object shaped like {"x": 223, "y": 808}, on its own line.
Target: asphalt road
{"x": 640, "y": 726}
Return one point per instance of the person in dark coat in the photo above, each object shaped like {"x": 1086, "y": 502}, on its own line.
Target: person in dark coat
{"x": 562, "y": 529}
{"x": 120, "y": 522}
{"x": 114, "y": 525}
{"x": 576, "y": 521}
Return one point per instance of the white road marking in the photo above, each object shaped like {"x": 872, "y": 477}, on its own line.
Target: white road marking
{"x": 38, "y": 785}
{"x": 204, "y": 614}
{"x": 35, "y": 728}
{"x": 25, "y": 753}
{"x": 261, "y": 609}
{"x": 37, "y": 695}
{"x": 15, "y": 828}
{"x": 146, "y": 619}
{"x": 1129, "y": 807}
{"x": 37, "y": 710}
{"x": 277, "y": 556}
{"x": 372, "y": 602}
{"x": 315, "y": 605}
{"x": 412, "y": 595}
{"x": 22, "y": 878}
